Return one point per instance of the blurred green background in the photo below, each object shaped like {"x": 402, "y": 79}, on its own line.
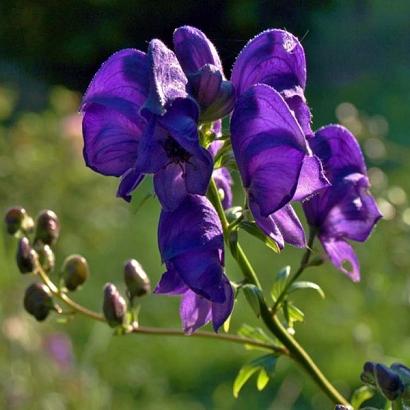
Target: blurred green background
{"x": 358, "y": 74}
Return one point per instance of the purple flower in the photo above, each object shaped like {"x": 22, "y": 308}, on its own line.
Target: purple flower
{"x": 59, "y": 348}
{"x": 202, "y": 65}
{"x": 223, "y": 181}
{"x": 346, "y": 210}
{"x": 191, "y": 245}
{"x": 275, "y": 162}
{"x": 276, "y": 58}
{"x": 139, "y": 119}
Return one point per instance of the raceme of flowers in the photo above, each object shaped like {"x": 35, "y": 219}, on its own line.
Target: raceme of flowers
{"x": 147, "y": 112}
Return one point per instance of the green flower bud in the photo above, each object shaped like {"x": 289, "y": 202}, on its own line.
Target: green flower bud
{"x": 26, "y": 256}
{"x": 46, "y": 258}
{"x": 75, "y": 271}
{"x": 17, "y": 219}
{"x": 136, "y": 280}
{"x": 114, "y": 306}
{"x": 47, "y": 227}
{"x": 38, "y": 301}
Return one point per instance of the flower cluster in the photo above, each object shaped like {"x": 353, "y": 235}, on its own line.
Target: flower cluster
{"x": 148, "y": 113}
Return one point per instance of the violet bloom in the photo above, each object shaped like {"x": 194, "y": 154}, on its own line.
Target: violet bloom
{"x": 346, "y": 210}
{"x": 276, "y": 58}
{"x": 191, "y": 245}
{"x": 139, "y": 119}
{"x": 206, "y": 80}
{"x": 275, "y": 162}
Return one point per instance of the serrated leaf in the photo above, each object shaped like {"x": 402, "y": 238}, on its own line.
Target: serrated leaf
{"x": 279, "y": 282}
{"x": 255, "y": 231}
{"x": 253, "y": 296}
{"x": 306, "y": 285}
{"x": 243, "y": 376}
{"x": 360, "y": 395}
{"x": 262, "y": 380}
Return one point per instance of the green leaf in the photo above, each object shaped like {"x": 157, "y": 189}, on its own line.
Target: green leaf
{"x": 295, "y": 314}
{"x": 262, "y": 380}
{"x": 279, "y": 282}
{"x": 224, "y": 155}
{"x": 232, "y": 214}
{"x": 243, "y": 376}
{"x": 266, "y": 367}
{"x": 360, "y": 395}
{"x": 306, "y": 285}
{"x": 255, "y": 231}
{"x": 253, "y": 296}
{"x": 233, "y": 241}
{"x": 256, "y": 333}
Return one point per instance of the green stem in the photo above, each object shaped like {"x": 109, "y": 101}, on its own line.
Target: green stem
{"x": 296, "y": 351}
{"x": 209, "y": 335}
{"x": 152, "y": 330}
{"x": 303, "y": 265}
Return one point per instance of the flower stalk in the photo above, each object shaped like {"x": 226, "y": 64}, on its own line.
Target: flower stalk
{"x": 296, "y": 351}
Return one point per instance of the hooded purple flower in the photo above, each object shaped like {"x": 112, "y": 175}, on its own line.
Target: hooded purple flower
{"x": 276, "y": 58}
{"x": 206, "y": 80}
{"x": 191, "y": 245}
{"x": 275, "y": 162}
{"x": 346, "y": 210}
{"x": 139, "y": 119}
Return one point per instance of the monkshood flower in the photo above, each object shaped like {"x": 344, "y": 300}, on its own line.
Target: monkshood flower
{"x": 276, "y": 58}
{"x": 139, "y": 119}
{"x": 275, "y": 162}
{"x": 191, "y": 245}
{"x": 346, "y": 210}
{"x": 206, "y": 80}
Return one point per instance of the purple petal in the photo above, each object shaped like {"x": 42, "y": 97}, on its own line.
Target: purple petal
{"x": 167, "y": 81}
{"x": 195, "y": 312}
{"x": 221, "y": 311}
{"x": 224, "y": 182}
{"x": 339, "y": 152}
{"x": 170, "y": 284}
{"x": 193, "y": 225}
{"x": 354, "y": 211}
{"x": 169, "y": 185}
{"x": 290, "y": 227}
{"x": 296, "y": 100}
{"x": 267, "y": 224}
{"x": 269, "y": 147}
{"x": 215, "y": 95}
{"x": 151, "y": 154}
{"x": 121, "y": 84}
{"x": 311, "y": 179}
{"x": 129, "y": 182}
{"x": 194, "y": 49}
{"x": 202, "y": 272}
{"x": 274, "y": 57}
{"x": 341, "y": 254}
{"x": 110, "y": 140}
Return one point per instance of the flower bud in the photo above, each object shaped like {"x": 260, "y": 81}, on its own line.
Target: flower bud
{"x": 17, "y": 219}
{"x": 75, "y": 271}
{"x": 38, "y": 301}
{"x": 47, "y": 227}
{"x": 388, "y": 381}
{"x": 25, "y": 256}
{"x": 114, "y": 306}
{"x": 342, "y": 407}
{"x": 136, "y": 279}
{"x": 46, "y": 258}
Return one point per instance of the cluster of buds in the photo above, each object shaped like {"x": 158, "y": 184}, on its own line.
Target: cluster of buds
{"x": 114, "y": 305}
{"x": 392, "y": 382}
{"x": 35, "y": 255}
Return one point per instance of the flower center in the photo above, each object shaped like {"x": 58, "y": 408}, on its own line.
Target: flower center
{"x": 175, "y": 152}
